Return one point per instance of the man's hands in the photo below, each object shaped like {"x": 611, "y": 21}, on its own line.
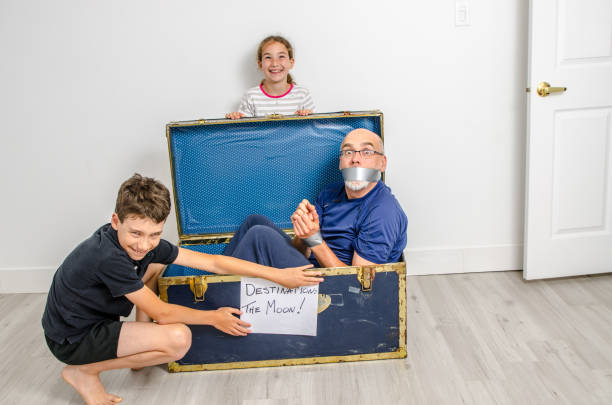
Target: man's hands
{"x": 225, "y": 321}
{"x": 305, "y": 220}
{"x": 303, "y": 112}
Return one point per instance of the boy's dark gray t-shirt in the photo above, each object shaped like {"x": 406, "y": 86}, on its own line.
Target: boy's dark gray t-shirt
{"x": 91, "y": 284}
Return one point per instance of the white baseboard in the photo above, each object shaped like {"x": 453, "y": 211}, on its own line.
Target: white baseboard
{"x": 463, "y": 260}
{"x": 26, "y": 279}
{"x": 418, "y": 262}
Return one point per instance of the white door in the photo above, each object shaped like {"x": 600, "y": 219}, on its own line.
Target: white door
{"x": 568, "y": 211}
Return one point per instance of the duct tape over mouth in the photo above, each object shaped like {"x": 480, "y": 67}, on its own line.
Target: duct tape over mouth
{"x": 361, "y": 174}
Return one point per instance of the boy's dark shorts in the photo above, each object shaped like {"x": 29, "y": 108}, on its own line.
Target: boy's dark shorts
{"x": 98, "y": 345}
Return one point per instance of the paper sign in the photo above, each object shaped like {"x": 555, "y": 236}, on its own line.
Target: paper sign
{"x": 272, "y": 308}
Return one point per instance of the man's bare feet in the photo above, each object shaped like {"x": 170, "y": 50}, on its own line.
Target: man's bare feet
{"x": 88, "y": 386}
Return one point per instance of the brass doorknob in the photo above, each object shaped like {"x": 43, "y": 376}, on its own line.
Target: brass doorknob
{"x": 544, "y": 89}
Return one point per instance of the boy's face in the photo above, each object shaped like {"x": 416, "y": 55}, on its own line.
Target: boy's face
{"x": 137, "y": 236}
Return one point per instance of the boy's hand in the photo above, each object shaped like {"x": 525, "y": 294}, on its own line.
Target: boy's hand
{"x": 293, "y": 277}
{"x": 303, "y": 112}
{"x": 226, "y": 322}
{"x": 234, "y": 115}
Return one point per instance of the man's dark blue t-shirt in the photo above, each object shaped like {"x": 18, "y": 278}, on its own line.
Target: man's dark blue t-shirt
{"x": 374, "y": 226}
{"x": 91, "y": 284}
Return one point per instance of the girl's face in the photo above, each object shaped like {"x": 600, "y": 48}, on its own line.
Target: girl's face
{"x": 275, "y": 62}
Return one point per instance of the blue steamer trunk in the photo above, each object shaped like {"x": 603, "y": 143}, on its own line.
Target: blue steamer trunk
{"x": 223, "y": 171}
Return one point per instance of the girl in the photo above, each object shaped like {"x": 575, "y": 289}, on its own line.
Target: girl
{"x": 277, "y": 93}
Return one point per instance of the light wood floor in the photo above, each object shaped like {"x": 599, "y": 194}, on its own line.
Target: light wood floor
{"x": 486, "y": 338}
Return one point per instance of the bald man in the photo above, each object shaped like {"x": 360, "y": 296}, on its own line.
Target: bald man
{"x": 352, "y": 223}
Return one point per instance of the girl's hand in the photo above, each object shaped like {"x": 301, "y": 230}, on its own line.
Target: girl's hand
{"x": 226, "y": 322}
{"x": 234, "y": 115}
{"x": 303, "y": 112}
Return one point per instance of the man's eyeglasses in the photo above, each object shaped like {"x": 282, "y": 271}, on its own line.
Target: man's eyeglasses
{"x": 365, "y": 153}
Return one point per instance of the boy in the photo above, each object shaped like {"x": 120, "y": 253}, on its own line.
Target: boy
{"x": 115, "y": 269}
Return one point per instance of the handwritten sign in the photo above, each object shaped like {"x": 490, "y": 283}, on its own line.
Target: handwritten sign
{"x": 272, "y": 308}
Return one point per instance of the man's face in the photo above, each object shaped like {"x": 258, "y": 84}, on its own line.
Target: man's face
{"x": 362, "y": 139}
{"x": 137, "y": 236}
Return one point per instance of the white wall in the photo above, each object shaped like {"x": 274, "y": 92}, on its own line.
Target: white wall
{"x": 86, "y": 88}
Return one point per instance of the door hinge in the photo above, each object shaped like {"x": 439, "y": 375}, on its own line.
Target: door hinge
{"x": 198, "y": 286}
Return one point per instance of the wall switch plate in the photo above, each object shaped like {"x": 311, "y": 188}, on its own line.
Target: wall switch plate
{"x": 462, "y": 14}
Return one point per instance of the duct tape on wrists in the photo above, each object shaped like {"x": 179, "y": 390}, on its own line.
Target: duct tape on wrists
{"x": 313, "y": 240}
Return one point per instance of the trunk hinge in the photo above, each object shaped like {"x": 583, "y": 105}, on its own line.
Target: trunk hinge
{"x": 198, "y": 286}
{"x": 365, "y": 275}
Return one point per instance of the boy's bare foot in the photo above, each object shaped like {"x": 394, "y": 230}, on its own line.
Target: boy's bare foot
{"x": 88, "y": 386}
